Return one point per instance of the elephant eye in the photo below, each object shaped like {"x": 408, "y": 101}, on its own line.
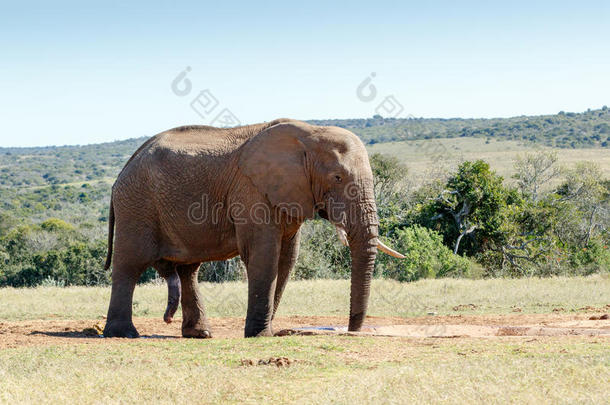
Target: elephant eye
{"x": 338, "y": 178}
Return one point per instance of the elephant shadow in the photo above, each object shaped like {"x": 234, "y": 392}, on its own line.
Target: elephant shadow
{"x": 90, "y": 334}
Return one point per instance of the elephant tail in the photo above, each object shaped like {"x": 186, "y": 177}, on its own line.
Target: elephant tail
{"x": 110, "y": 236}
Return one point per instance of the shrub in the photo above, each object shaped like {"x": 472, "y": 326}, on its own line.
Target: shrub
{"x": 226, "y": 270}
{"x": 426, "y": 257}
{"x": 321, "y": 255}
{"x": 593, "y": 258}
{"x": 55, "y": 225}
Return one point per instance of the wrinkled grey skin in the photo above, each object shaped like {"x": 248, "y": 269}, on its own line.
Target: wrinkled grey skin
{"x": 265, "y": 165}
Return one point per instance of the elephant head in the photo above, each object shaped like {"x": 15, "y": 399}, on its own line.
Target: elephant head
{"x": 307, "y": 169}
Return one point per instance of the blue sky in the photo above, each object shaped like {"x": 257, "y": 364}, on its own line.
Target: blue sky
{"x": 72, "y": 73}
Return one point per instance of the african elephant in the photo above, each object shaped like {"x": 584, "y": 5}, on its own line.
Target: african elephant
{"x": 198, "y": 193}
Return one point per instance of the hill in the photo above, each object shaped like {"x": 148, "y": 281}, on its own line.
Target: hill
{"x": 73, "y": 182}
{"x": 563, "y": 130}
{"x": 43, "y": 166}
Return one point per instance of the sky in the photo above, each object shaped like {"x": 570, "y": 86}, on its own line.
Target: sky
{"x": 76, "y": 73}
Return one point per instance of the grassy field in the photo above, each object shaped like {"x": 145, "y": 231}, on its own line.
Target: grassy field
{"x": 334, "y": 369}
{"x": 326, "y": 298}
{"x": 421, "y": 156}
{"x": 328, "y": 370}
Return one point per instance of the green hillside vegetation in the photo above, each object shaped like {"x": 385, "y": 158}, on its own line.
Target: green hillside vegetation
{"x": 563, "y": 130}
{"x": 533, "y": 209}
{"x": 44, "y": 166}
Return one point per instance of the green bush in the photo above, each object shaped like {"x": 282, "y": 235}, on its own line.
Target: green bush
{"x": 55, "y": 224}
{"x": 75, "y": 264}
{"x": 426, "y": 256}
{"x": 321, "y": 255}
{"x": 595, "y": 257}
{"x": 51, "y": 252}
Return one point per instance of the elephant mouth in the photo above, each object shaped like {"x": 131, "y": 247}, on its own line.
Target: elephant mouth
{"x": 323, "y": 214}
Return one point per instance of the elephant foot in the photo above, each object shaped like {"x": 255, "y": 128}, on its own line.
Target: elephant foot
{"x": 267, "y": 332}
{"x": 196, "y": 327}
{"x": 123, "y": 329}
{"x": 258, "y": 332}
{"x": 196, "y": 333}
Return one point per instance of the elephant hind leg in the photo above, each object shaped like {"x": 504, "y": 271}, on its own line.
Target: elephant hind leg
{"x": 194, "y": 320}
{"x": 119, "y": 319}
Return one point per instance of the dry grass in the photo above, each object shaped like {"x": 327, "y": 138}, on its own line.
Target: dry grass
{"x": 420, "y": 156}
{"x": 328, "y": 369}
{"x": 326, "y": 297}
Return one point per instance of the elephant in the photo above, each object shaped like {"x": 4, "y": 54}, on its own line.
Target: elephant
{"x": 198, "y": 193}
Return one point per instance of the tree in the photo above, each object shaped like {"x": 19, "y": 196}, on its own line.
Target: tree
{"x": 534, "y": 170}
{"x": 388, "y": 174}
{"x": 562, "y": 232}
{"x": 472, "y": 200}
{"x": 586, "y": 188}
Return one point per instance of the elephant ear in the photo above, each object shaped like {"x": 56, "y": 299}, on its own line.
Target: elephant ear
{"x": 274, "y": 160}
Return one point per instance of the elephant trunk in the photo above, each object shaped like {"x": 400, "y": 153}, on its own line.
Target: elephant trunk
{"x": 362, "y": 235}
{"x": 363, "y": 262}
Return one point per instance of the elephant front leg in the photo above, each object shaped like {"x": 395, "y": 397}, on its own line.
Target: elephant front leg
{"x": 288, "y": 257}
{"x": 194, "y": 321}
{"x": 260, "y": 250}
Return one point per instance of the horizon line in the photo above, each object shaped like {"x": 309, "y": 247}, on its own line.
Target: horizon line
{"x": 602, "y": 108}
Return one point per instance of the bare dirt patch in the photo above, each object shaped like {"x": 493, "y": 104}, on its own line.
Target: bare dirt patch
{"x": 51, "y": 332}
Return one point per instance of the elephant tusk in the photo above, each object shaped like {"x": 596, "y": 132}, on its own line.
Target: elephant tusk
{"x": 388, "y": 250}
{"x": 342, "y": 235}
{"x": 380, "y": 245}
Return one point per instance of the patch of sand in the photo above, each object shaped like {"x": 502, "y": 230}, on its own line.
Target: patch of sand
{"x": 51, "y": 332}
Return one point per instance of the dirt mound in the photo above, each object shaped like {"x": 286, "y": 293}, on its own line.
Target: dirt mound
{"x": 277, "y": 361}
